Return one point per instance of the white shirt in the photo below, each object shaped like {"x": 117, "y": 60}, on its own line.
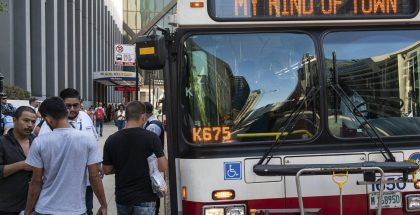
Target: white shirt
{"x": 82, "y": 123}
{"x": 64, "y": 154}
{"x": 153, "y": 127}
{"x": 122, "y": 113}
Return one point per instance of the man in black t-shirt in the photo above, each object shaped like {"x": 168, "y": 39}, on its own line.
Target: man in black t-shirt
{"x": 125, "y": 155}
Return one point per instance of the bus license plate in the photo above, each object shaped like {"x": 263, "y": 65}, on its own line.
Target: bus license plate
{"x": 389, "y": 200}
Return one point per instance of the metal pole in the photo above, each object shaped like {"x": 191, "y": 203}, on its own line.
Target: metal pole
{"x": 137, "y": 83}
{"x": 153, "y": 84}
{"x": 150, "y": 86}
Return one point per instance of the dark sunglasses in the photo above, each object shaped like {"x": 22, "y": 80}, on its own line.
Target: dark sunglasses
{"x": 75, "y": 105}
{"x": 3, "y": 98}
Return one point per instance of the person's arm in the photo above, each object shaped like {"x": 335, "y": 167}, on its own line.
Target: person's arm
{"x": 97, "y": 186}
{"x": 10, "y": 169}
{"x": 108, "y": 169}
{"x": 162, "y": 163}
{"x": 107, "y": 164}
{"x": 35, "y": 187}
{"x": 158, "y": 151}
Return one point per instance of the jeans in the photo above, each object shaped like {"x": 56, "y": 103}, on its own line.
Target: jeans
{"x": 99, "y": 124}
{"x": 144, "y": 208}
{"x": 36, "y": 213}
{"x": 120, "y": 124}
{"x": 89, "y": 200}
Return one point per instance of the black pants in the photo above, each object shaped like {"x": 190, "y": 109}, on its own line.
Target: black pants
{"x": 89, "y": 200}
{"x": 9, "y": 213}
{"x": 157, "y": 206}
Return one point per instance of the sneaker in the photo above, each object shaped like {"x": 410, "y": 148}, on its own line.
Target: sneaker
{"x": 101, "y": 135}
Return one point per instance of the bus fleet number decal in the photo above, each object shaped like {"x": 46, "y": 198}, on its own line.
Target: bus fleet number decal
{"x": 390, "y": 186}
{"x": 211, "y": 134}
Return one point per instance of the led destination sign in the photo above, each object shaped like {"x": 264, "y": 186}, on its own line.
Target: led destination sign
{"x": 311, "y": 9}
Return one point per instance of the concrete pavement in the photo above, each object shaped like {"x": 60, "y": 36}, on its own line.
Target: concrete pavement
{"x": 108, "y": 180}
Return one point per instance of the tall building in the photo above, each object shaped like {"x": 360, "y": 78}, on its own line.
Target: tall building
{"x": 140, "y": 16}
{"x": 49, "y": 45}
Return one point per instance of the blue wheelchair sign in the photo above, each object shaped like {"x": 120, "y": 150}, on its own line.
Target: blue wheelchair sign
{"x": 415, "y": 157}
{"x": 233, "y": 170}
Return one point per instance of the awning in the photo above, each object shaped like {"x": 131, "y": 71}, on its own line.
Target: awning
{"x": 117, "y": 78}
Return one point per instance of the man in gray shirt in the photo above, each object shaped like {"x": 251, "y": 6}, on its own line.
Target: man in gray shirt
{"x": 59, "y": 160}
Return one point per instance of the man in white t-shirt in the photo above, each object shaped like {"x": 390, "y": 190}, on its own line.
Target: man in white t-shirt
{"x": 60, "y": 159}
{"x": 78, "y": 120}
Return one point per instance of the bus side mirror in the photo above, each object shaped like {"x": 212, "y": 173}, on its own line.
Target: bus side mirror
{"x": 151, "y": 52}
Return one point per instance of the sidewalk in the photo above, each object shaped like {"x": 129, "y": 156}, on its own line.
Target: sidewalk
{"x": 108, "y": 180}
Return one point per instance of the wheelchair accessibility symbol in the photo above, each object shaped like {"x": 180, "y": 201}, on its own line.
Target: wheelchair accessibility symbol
{"x": 233, "y": 170}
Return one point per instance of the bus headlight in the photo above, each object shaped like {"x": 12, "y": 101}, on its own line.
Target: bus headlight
{"x": 237, "y": 210}
{"x": 214, "y": 211}
{"x": 413, "y": 202}
{"x": 224, "y": 210}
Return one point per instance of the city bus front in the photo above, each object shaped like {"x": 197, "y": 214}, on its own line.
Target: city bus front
{"x": 243, "y": 80}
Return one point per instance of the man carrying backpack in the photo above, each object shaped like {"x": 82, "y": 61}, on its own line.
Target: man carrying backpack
{"x": 154, "y": 125}
{"x": 100, "y": 117}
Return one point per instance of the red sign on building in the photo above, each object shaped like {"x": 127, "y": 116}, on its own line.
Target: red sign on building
{"x": 126, "y": 89}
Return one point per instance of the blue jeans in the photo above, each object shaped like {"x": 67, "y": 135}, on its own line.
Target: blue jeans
{"x": 36, "y": 213}
{"x": 99, "y": 126}
{"x": 144, "y": 208}
{"x": 120, "y": 124}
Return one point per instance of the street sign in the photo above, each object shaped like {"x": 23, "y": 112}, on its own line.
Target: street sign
{"x": 125, "y": 55}
{"x": 125, "y": 89}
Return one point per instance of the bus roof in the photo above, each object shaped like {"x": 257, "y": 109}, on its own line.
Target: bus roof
{"x": 242, "y": 13}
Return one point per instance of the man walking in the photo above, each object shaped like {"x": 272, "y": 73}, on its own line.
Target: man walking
{"x": 154, "y": 125}
{"x": 99, "y": 116}
{"x": 59, "y": 160}
{"x": 125, "y": 154}
{"x": 15, "y": 174}
{"x": 78, "y": 120}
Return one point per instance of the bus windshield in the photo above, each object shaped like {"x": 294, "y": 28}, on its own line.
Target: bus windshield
{"x": 242, "y": 87}
{"x": 378, "y": 70}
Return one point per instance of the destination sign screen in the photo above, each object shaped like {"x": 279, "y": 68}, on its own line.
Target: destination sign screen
{"x": 311, "y": 9}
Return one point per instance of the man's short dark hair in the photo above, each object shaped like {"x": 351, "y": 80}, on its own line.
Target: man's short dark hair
{"x": 134, "y": 110}
{"x": 21, "y": 109}
{"x": 149, "y": 107}
{"x": 54, "y": 107}
{"x": 32, "y": 99}
{"x": 69, "y": 93}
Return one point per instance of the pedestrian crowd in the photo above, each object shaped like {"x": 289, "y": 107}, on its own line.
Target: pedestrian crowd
{"x": 50, "y": 161}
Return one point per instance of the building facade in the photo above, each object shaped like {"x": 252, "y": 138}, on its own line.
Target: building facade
{"x": 49, "y": 45}
{"x": 140, "y": 16}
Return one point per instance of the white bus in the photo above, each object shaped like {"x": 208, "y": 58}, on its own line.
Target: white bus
{"x": 272, "y": 100}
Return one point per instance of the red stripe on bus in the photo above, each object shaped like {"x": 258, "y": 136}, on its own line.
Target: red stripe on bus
{"x": 352, "y": 204}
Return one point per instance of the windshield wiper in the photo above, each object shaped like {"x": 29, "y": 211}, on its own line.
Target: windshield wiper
{"x": 290, "y": 121}
{"x": 339, "y": 92}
